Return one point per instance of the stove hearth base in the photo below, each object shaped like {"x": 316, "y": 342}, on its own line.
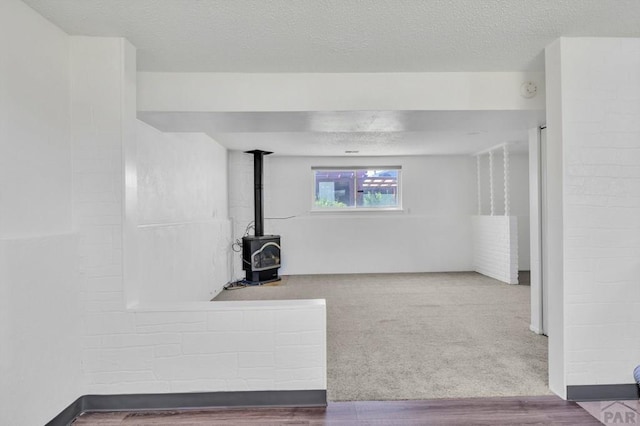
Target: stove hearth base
{"x": 262, "y": 277}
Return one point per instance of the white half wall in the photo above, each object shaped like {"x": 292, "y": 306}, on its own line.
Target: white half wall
{"x": 184, "y": 234}
{"x": 518, "y": 195}
{"x": 432, "y": 233}
{"x": 208, "y": 347}
{"x": 495, "y": 247}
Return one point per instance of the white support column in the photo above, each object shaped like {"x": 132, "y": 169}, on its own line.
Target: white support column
{"x": 479, "y": 179}
{"x": 505, "y": 155}
{"x": 491, "y": 182}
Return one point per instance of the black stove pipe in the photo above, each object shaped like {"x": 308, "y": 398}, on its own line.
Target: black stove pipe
{"x": 258, "y": 204}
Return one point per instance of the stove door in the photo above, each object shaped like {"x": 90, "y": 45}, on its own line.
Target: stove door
{"x": 267, "y": 257}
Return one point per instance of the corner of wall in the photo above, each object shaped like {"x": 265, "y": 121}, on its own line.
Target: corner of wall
{"x": 130, "y": 181}
{"x": 553, "y": 258}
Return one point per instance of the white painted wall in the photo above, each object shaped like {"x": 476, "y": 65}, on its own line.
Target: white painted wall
{"x": 495, "y": 247}
{"x": 553, "y": 254}
{"x": 183, "y": 227}
{"x": 498, "y": 182}
{"x": 484, "y": 188}
{"x": 595, "y": 118}
{"x": 433, "y": 233}
{"x": 40, "y": 328}
{"x": 519, "y": 201}
{"x": 34, "y": 125}
{"x": 40, "y": 313}
{"x": 133, "y": 346}
{"x": 203, "y": 346}
{"x": 97, "y": 135}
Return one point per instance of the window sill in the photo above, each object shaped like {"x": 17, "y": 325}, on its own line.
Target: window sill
{"x": 360, "y": 210}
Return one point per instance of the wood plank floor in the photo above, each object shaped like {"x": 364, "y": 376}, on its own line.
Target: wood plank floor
{"x": 539, "y": 410}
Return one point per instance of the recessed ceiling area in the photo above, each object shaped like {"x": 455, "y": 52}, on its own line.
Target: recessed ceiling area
{"x": 370, "y": 133}
{"x": 342, "y": 35}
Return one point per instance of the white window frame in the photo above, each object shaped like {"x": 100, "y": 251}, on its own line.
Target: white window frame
{"x": 355, "y": 209}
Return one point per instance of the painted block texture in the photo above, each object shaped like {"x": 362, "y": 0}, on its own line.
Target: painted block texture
{"x": 183, "y": 229}
{"x": 210, "y": 350}
{"x": 601, "y": 184}
{"x": 196, "y": 346}
{"x": 495, "y": 247}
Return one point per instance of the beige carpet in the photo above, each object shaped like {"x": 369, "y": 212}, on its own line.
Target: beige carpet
{"x": 421, "y": 336}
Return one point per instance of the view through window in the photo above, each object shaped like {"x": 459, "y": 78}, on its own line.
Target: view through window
{"x": 357, "y": 188}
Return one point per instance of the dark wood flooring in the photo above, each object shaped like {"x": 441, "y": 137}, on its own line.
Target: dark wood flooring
{"x": 541, "y": 410}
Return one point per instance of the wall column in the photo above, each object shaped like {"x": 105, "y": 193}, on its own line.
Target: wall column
{"x": 592, "y": 208}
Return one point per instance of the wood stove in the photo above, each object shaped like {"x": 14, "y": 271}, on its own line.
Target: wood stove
{"x": 260, "y": 253}
{"x": 261, "y": 257}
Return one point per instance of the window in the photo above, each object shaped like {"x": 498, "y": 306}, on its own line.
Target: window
{"x": 350, "y": 188}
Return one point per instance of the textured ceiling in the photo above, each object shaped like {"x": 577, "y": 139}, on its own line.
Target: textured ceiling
{"x": 342, "y": 35}
{"x": 346, "y": 36}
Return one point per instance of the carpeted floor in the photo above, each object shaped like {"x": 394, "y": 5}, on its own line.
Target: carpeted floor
{"x": 421, "y": 336}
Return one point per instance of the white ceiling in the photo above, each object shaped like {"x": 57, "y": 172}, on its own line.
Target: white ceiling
{"x": 342, "y": 35}
{"x": 346, "y": 36}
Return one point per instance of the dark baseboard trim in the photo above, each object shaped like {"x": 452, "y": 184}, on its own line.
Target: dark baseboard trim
{"x": 191, "y": 400}
{"x": 603, "y": 392}
{"x": 67, "y": 415}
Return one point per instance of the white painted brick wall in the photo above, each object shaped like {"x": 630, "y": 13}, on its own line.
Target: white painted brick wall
{"x": 200, "y": 346}
{"x": 183, "y": 230}
{"x": 224, "y": 354}
{"x": 495, "y": 247}
{"x": 601, "y": 161}
{"x": 241, "y": 200}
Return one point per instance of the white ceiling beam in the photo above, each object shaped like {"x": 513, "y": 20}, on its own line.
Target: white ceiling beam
{"x": 436, "y": 91}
